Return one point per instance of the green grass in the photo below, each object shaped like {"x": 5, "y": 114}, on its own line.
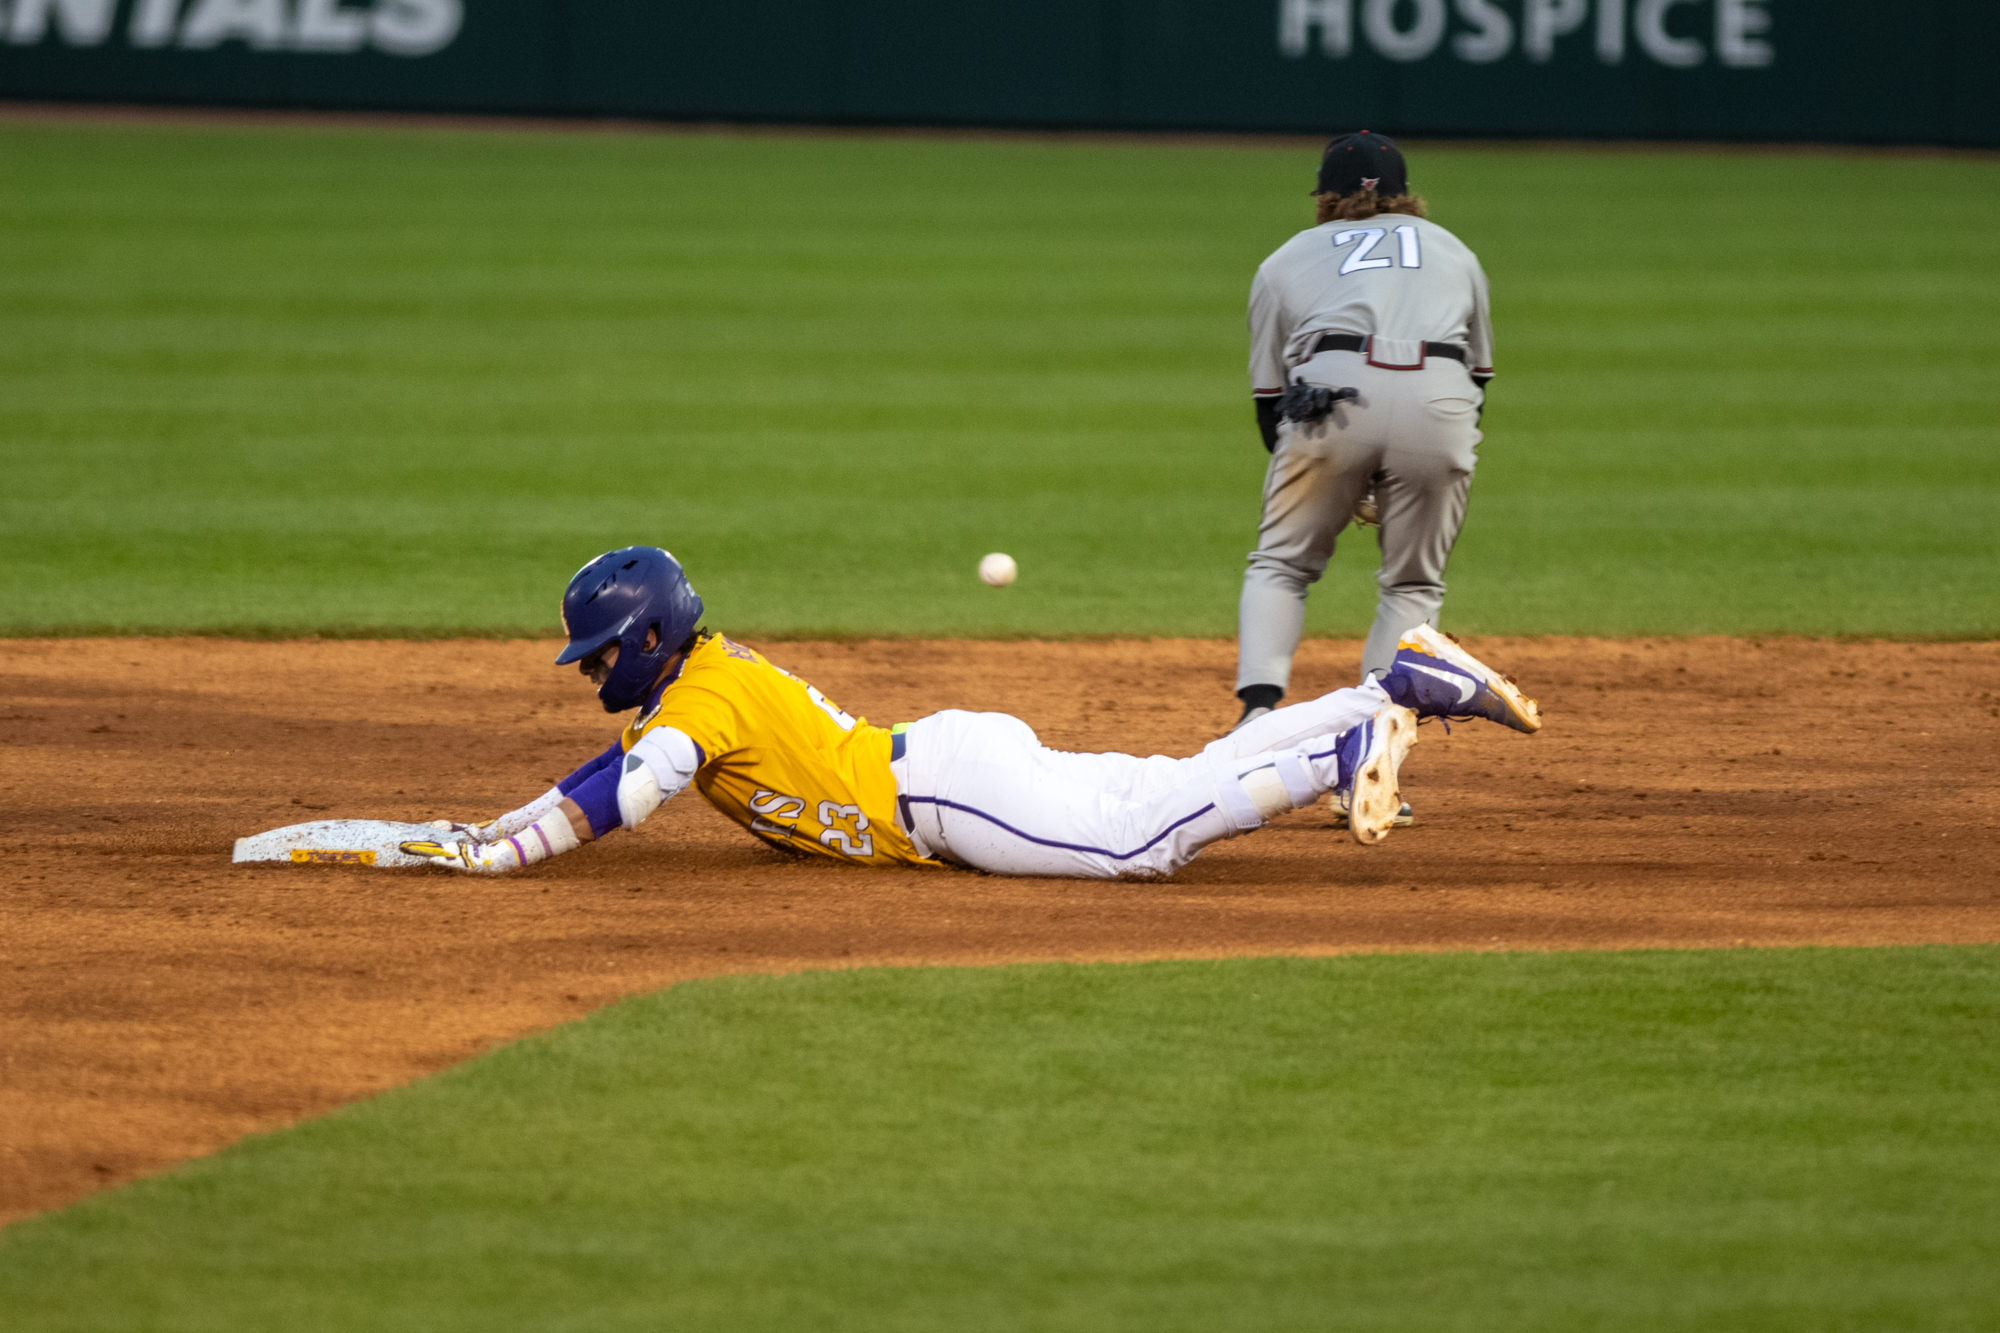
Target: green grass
{"x": 404, "y": 381}
{"x": 1734, "y": 1141}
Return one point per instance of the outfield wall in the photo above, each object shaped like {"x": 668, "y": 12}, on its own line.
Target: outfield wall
{"x": 1840, "y": 70}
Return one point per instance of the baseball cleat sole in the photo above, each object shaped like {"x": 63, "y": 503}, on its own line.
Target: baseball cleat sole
{"x": 1494, "y": 696}
{"x": 1376, "y": 798}
{"x": 1405, "y": 817}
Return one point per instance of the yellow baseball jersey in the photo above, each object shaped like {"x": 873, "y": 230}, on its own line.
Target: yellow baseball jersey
{"x": 781, "y": 759}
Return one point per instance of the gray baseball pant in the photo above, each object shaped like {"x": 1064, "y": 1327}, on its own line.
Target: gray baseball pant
{"x": 1414, "y": 436}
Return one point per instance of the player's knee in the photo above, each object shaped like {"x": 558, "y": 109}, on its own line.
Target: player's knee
{"x": 1418, "y": 599}
{"x": 1294, "y": 576}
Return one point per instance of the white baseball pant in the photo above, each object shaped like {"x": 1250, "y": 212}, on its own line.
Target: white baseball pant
{"x": 980, "y": 789}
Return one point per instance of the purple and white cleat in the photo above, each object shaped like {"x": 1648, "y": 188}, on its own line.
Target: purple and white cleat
{"x": 1370, "y": 756}
{"x": 1437, "y": 678}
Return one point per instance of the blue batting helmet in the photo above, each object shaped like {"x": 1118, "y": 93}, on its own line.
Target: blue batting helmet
{"x": 617, "y": 598}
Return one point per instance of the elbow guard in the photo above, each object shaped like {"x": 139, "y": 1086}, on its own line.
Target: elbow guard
{"x": 663, "y": 762}
{"x": 639, "y": 792}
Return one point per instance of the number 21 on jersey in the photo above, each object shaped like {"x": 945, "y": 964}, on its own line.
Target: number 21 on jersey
{"x": 1407, "y": 249}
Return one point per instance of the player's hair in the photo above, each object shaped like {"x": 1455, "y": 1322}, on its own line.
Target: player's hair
{"x": 1366, "y": 204}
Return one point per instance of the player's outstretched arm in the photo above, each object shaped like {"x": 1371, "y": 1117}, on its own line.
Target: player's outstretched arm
{"x": 517, "y": 821}
{"x": 612, "y": 795}
{"x": 562, "y": 829}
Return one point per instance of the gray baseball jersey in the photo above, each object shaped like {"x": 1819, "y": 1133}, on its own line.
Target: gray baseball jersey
{"x": 1409, "y": 439}
{"x": 1390, "y": 276}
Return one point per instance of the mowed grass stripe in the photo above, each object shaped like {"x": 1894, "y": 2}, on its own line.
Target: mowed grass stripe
{"x": 1801, "y": 1139}
{"x": 403, "y": 382}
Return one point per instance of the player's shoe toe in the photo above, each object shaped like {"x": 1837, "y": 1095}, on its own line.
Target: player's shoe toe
{"x": 1437, "y": 678}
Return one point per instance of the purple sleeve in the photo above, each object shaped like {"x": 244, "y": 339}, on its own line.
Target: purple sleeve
{"x": 609, "y": 759}
{"x": 597, "y": 797}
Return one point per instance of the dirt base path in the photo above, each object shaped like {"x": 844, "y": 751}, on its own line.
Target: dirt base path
{"x": 157, "y": 1003}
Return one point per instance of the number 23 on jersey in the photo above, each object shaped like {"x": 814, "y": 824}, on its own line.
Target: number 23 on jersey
{"x": 767, "y": 807}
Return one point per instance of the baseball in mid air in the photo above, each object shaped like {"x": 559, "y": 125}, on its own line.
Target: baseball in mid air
{"x": 998, "y": 570}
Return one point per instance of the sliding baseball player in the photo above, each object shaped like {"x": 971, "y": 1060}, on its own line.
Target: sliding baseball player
{"x": 975, "y": 790}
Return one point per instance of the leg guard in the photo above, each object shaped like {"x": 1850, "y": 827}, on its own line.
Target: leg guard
{"x": 1255, "y": 790}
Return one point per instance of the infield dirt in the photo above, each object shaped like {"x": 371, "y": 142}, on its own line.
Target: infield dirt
{"x": 158, "y": 1002}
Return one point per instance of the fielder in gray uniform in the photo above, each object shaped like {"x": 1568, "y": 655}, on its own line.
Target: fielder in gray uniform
{"x": 1370, "y": 349}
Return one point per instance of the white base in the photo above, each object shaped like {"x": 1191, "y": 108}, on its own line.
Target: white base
{"x": 338, "y": 841}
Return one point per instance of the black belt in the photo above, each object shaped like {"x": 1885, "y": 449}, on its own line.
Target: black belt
{"x": 1354, "y": 342}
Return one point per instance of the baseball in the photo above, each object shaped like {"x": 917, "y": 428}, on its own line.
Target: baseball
{"x": 998, "y": 570}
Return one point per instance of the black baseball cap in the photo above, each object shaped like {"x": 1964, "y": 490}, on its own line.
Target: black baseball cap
{"x": 1364, "y": 161}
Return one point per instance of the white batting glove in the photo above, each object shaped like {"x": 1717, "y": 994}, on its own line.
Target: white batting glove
{"x": 486, "y": 832}
{"x": 481, "y": 858}
{"x": 514, "y": 821}
{"x": 549, "y": 836}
